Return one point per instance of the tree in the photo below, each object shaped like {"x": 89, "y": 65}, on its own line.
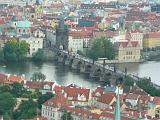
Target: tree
{"x": 6, "y": 116}
{"x": 66, "y": 116}
{"x": 44, "y": 98}
{"x": 7, "y": 103}
{"x": 128, "y": 81}
{"x": 26, "y": 110}
{"x": 148, "y": 87}
{"x": 15, "y": 51}
{"x": 101, "y": 48}
{"x": 10, "y": 51}
{"x": 38, "y": 56}
{"x": 17, "y": 89}
{"x": 37, "y": 76}
{"x": 1, "y": 56}
{"x": 5, "y": 88}
{"x": 23, "y": 49}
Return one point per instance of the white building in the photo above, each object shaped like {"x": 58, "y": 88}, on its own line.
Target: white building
{"x": 137, "y": 35}
{"x": 79, "y": 40}
{"x": 34, "y": 42}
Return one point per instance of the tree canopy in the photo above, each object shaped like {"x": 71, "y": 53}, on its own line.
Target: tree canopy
{"x": 1, "y": 56}
{"x": 44, "y": 98}
{"x": 38, "y": 56}
{"x": 27, "y": 110}
{"x": 101, "y": 48}
{"x": 38, "y": 76}
{"x": 7, "y": 102}
{"x": 15, "y": 51}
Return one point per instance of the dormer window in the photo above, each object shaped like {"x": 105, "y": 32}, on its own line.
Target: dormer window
{"x": 50, "y": 103}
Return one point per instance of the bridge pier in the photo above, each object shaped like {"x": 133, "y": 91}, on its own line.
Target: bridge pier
{"x": 67, "y": 62}
{"x": 60, "y": 59}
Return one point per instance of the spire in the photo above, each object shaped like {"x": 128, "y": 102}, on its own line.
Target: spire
{"x": 117, "y": 109}
{"x": 140, "y": 117}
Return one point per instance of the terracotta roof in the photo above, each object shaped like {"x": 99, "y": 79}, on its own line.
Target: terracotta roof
{"x": 107, "y": 98}
{"x": 144, "y": 98}
{"x": 15, "y": 78}
{"x": 99, "y": 90}
{"x": 154, "y": 35}
{"x": 37, "y": 84}
{"x": 74, "y": 91}
{"x": 105, "y": 33}
{"x": 125, "y": 44}
{"x": 56, "y": 102}
{"x": 132, "y": 96}
{"x": 156, "y": 100}
{"x": 82, "y": 34}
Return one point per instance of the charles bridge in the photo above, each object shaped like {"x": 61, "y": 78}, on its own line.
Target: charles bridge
{"x": 102, "y": 72}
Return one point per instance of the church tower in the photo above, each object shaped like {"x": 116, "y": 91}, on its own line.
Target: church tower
{"x": 117, "y": 109}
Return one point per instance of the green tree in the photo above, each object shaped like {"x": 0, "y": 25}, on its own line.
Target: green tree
{"x": 7, "y": 103}
{"x": 15, "y": 51}
{"x": 5, "y": 88}
{"x": 66, "y": 116}
{"x": 37, "y": 76}
{"x": 6, "y": 116}
{"x": 17, "y": 89}
{"x": 23, "y": 49}
{"x": 128, "y": 81}
{"x": 10, "y": 50}
{"x": 148, "y": 87}
{"x": 44, "y": 98}
{"x": 1, "y": 55}
{"x": 38, "y": 56}
{"x": 101, "y": 48}
{"x": 26, "y": 110}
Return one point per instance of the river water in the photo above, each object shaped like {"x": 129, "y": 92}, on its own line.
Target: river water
{"x": 63, "y": 76}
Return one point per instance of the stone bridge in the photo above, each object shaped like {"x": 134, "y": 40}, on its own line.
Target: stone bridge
{"x": 86, "y": 66}
{"x": 95, "y": 70}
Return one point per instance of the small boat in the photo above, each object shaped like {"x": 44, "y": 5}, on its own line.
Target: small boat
{"x": 4, "y": 66}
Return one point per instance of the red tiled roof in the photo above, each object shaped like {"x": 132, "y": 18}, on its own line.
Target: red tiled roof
{"x": 125, "y": 44}
{"x": 107, "y": 98}
{"x": 56, "y": 102}
{"x": 136, "y": 31}
{"x": 37, "y": 84}
{"x": 156, "y": 100}
{"x": 132, "y": 96}
{"x": 154, "y": 35}
{"x": 82, "y": 34}
{"x": 144, "y": 98}
{"x": 99, "y": 90}
{"x": 106, "y": 33}
{"x": 75, "y": 91}
{"x": 15, "y": 78}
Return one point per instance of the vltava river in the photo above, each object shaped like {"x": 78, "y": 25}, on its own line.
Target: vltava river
{"x": 63, "y": 76}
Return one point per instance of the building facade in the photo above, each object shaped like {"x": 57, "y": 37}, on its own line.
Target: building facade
{"x": 128, "y": 51}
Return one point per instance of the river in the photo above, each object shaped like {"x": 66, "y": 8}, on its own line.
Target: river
{"x": 53, "y": 71}
{"x": 63, "y": 76}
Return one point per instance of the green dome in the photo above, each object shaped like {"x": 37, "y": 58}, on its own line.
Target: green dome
{"x": 23, "y": 24}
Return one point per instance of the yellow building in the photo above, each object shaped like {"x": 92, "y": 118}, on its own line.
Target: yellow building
{"x": 151, "y": 40}
{"x": 128, "y": 51}
{"x": 54, "y": 23}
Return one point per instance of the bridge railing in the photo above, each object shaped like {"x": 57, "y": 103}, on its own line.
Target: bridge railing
{"x": 109, "y": 68}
